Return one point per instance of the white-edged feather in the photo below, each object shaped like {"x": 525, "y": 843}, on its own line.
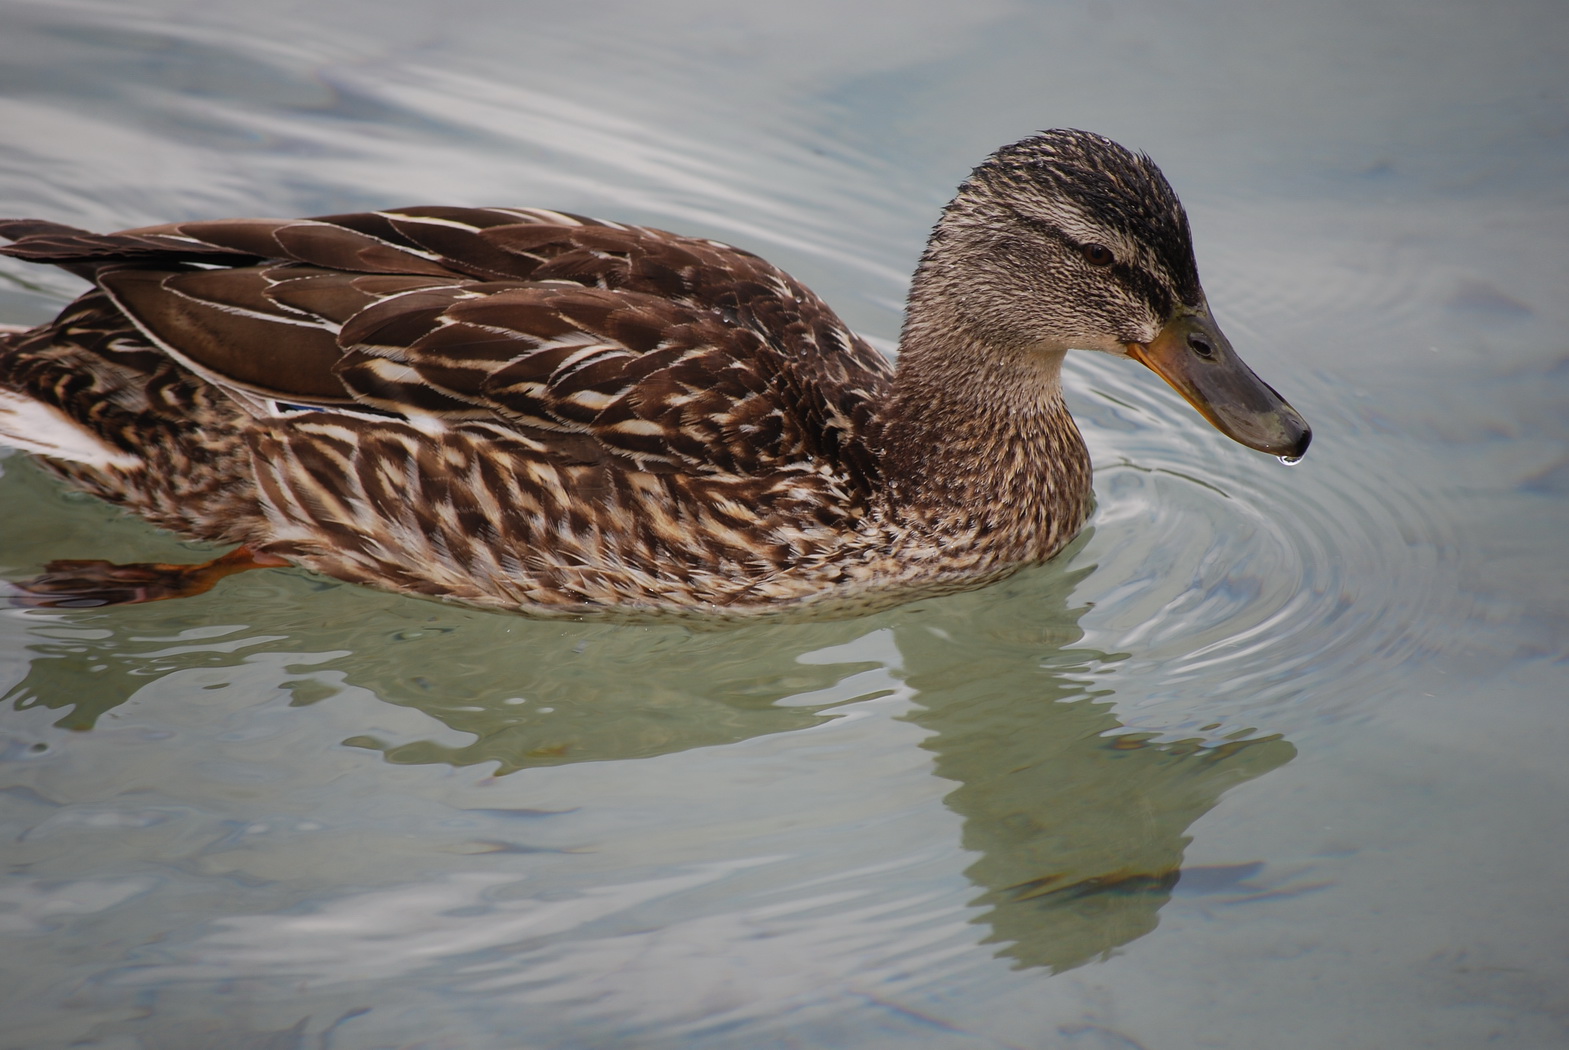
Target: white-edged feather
{"x": 33, "y": 426}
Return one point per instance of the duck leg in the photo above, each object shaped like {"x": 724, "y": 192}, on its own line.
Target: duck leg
{"x": 73, "y": 584}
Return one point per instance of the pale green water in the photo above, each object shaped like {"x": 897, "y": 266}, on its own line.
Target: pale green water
{"x": 295, "y": 814}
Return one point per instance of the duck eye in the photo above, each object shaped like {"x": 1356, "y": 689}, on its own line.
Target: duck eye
{"x": 1098, "y": 255}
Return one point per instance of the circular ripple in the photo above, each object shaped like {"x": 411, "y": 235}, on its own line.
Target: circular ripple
{"x": 1234, "y": 584}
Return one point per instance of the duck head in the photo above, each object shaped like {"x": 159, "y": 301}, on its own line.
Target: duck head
{"x": 1068, "y": 240}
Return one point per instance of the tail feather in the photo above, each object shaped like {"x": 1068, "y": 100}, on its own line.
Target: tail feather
{"x": 16, "y": 229}
{"x": 84, "y": 253}
{"x": 51, "y": 242}
{"x": 33, "y": 426}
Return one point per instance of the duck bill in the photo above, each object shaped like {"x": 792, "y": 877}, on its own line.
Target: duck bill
{"x": 1193, "y": 356}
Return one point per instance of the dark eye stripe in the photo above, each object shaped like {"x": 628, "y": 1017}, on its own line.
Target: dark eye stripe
{"x": 1146, "y": 286}
{"x": 1138, "y": 280}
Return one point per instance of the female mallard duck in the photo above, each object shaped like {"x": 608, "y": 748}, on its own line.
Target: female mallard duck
{"x": 536, "y": 411}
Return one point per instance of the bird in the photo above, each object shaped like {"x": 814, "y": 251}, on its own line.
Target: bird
{"x": 536, "y": 411}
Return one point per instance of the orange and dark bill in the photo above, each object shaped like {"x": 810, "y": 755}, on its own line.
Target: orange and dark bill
{"x": 1193, "y": 356}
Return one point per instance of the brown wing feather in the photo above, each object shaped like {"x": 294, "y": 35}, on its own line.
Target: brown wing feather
{"x": 233, "y": 346}
{"x": 667, "y": 352}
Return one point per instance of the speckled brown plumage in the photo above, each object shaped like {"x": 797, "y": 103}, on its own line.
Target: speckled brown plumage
{"x": 537, "y": 411}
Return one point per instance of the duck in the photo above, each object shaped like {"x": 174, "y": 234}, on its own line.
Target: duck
{"x": 536, "y": 411}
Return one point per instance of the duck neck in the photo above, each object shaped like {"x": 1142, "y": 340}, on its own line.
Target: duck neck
{"x": 977, "y": 441}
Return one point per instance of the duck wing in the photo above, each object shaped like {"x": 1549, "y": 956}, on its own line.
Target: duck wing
{"x": 589, "y": 340}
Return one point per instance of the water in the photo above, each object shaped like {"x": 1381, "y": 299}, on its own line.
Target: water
{"x": 1267, "y": 758}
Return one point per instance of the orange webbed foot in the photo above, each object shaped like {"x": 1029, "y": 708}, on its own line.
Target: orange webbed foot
{"x": 90, "y": 583}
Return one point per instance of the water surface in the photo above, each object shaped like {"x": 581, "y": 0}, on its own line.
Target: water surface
{"x": 1269, "y": 757}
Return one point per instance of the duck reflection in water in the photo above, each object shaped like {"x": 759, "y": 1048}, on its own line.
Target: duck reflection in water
{"x": 1077, "y": 822}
